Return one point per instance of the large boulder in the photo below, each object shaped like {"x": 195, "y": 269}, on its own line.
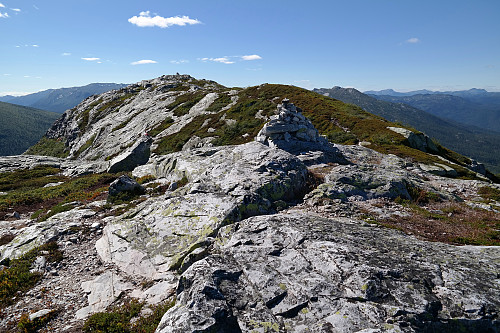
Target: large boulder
{"x": 137, "y": 155}
{"x": 292, "y": 272}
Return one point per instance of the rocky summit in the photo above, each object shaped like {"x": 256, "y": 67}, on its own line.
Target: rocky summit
{"x": 181, "y": 205}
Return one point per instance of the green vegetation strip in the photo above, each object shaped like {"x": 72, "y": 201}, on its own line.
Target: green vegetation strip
{"x": 17, "y": 276}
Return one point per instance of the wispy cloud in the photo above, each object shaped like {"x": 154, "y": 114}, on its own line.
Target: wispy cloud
{"x": 232, "y": 59}
{"x": 146, "y": 20}
{"x": 2, "y": 5}
{"x": 223, "y": 60}
{"x": 178, "y": 62}
{"x": 143, "y": 62}
{"x": 16, "y": 9}
{"x": 34, "y": 6}
{"x": 91, "y": 59}
{"x": 35, "y": 45}
{"x": 413, "y": 40}
{"x": 4, "y": 15}
{"x": 7, "y": 74}
{"x": 65, "y": 54}
{"x": 251, "y": 57}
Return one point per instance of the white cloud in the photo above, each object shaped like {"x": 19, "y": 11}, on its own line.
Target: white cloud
{"x": 143, "y": 62}
{"x": 145, "y": 20}
{"x": 16, "y": 9}
{"x": 251, "y": 57}
{"x": 413, "y": 40}
{"x": 91, "y": 59}
{"x": 178, "y": 62}
{"x": 34, "y": 45}
{"x": 27, "y": 76}
{"x": 65, "y": 54}
{"x": 4, "y": 15}
{"x": 7, "y": 74}
{"x": 224, "y": 60}
{"x": 2, "y": 5}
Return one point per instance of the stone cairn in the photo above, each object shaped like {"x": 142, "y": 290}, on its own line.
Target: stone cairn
{"x": 289, "y": 127}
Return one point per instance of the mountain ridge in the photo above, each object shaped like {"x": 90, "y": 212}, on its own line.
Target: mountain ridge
{"x": 478, "y": 143}
{"x": 181, "y": 205}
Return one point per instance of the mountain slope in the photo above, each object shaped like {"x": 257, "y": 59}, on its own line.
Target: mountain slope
{"x": 21, "y": 127}
{"x": 59, "y": 100}
{"x": 179, "y": 112}
{"x": 479, "y": 144}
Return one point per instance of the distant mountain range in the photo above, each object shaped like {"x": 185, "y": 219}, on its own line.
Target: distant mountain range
{"x": 480, "y": 144}
{"x": 60, "y": 100}
{"x": 476, "y": 107}
{"x": 22, "y": 127}
{"x": 471, "y": 93}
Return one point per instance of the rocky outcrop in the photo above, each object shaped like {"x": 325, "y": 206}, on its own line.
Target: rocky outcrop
{"x": 125, "y": 184}
{"x": 418, "y": 141}
{"x": 292, "y": 272}
{"x": 224, "y": 184}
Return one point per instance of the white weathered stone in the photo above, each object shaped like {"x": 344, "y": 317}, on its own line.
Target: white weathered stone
{"x": 102, "y": 292}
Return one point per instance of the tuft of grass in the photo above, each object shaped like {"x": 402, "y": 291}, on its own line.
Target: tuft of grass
{"x": 489, "y": 193}
{"x": 49, "y": 147}
{"x": 117, "y": 320}
{"x": 17, "y": 276}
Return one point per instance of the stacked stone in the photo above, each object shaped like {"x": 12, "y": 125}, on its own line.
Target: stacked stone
{"x": 287, "y": 126}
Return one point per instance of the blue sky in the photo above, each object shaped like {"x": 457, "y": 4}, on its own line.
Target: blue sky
{"x": 366, "y": 44}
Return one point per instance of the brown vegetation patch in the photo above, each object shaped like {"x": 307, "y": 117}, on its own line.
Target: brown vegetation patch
{"x": 453, "y": 223}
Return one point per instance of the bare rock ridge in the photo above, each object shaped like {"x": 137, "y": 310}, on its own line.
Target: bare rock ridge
{"x": 250, "y": 219}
